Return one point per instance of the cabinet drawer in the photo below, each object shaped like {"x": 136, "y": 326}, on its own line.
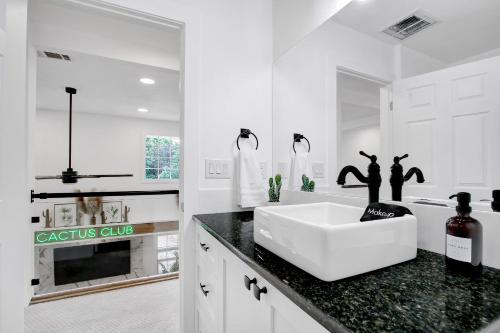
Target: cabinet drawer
{"x": 206, "y": 247}
{"x": 207, "y": 291}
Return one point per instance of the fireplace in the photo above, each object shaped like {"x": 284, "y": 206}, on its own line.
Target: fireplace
{"x": 89, "y": 262}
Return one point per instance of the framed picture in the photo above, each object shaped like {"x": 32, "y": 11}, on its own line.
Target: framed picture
{"x": 65, "y": 215}
{"x": 112, "y": 211}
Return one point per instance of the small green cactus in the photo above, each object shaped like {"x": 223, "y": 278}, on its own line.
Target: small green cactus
{"x": 307, "y": 184}
{"x": 274, "y": 188}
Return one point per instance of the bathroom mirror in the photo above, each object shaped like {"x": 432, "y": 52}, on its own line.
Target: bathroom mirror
{"x": 416, "y": 77}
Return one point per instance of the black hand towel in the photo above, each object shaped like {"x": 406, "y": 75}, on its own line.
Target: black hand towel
{"x": 378, "y": 211}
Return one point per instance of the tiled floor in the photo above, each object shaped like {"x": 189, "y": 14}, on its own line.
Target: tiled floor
{"x": 150, "y": 308}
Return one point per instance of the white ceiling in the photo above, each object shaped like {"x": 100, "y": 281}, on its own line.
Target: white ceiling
{"x": 465, "y": 28}
{"x": 359, "y": 98}
{"x": 66, "y": 25}
{"x": 107, "y": 86}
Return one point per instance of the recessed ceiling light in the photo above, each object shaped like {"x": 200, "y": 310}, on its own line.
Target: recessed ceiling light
{"x": 142, "y": 110}
{"x": 146, "y": 80}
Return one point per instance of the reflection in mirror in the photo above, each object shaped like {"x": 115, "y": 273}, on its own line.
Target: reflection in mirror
{"x": 434, "y": 97}
{"x": 358, "y": 100}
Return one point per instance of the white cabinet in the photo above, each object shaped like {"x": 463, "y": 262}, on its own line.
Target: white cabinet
{"x": 229, "y": 307}
{"x": 242, "y": 311}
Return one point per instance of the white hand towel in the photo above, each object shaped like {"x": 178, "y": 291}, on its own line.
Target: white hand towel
{"x": 251, "y": 187}
{"x": 300, "y": 165}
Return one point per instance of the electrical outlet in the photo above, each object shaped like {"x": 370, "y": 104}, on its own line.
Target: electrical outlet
{"x": 218, "y": 169}
{"x": 318, "y": 169}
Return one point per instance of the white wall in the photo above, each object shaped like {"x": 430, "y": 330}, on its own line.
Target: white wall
{"x": 305, "y": 86}
{"x": 15, "y": 236}
{"x": 101, "y": 145}
{"x": 486, "y": 55}
{"x": 236, "y": 89}
{"x": 294, "y": 19}
{"x": 413, "y": 63}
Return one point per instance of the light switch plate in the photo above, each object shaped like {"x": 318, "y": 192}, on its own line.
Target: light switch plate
{"x": 318, "y": 169}
{"x": 218, "y": 169}
{"x": 263, "y": 169}
{"x": 283, "y": 169}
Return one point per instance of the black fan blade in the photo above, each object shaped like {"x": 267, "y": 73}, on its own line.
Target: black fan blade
{"x": 48, "y": 177}
{"x": 106, "y": 176}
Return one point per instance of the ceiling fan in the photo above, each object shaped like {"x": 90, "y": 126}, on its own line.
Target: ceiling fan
{"x": 71, "y": 176}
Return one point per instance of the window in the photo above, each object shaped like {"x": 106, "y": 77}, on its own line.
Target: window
{"x": 168, "y": 253}
{"x": 162, "y": 157}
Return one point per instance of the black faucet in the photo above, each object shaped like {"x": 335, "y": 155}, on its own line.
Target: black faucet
{"x": 373, "y": 179}
{"x": 397, "y": 179}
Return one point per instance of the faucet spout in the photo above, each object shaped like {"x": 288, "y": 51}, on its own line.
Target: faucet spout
{"x": 415, "y": 171}
{"x": 351, "y": 169}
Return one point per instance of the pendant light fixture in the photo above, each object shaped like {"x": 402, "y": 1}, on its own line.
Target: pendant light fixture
{"x": 71, "y": 176}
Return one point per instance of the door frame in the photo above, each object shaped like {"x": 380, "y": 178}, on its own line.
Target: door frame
{"x": 386, "y": 123}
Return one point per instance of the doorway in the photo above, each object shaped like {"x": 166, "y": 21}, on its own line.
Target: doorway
{"x": 359, "y": 119}
{"x": 127, "y": 119}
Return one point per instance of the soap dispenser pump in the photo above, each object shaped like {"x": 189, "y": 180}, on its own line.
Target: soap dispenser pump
{"x": 464, "y": 239}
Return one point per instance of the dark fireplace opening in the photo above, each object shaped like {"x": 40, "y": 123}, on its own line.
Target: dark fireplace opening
{"x": 89, "y": 262}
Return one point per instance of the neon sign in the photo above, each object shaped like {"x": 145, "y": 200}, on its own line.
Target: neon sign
{"x": 67, "y": 235}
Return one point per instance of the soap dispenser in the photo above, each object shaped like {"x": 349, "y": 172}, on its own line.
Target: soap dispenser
{"x": 495, "y": 204}
{"x": 464, "y": 239}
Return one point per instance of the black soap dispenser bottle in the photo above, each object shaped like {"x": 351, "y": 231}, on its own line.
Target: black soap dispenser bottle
{"x": 464, "y": 239}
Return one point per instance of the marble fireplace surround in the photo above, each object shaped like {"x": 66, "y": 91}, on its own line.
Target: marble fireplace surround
{"x": 44, "y": 264}
{"x": 143, "y": 256}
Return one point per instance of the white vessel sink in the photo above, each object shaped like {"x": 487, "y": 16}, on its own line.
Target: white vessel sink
{"x": 328, "y": 241}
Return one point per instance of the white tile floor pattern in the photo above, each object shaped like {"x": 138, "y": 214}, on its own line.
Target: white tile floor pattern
{"x": 149, "y": 308}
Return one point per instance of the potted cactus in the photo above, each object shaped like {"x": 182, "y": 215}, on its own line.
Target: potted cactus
{"x": 274, "y": 188}
{"x": 307, "y": 184}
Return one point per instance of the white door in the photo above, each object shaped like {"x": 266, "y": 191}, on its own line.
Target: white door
{"x": 448, "y": 121}
{"x": 14, "y": 192}
{"x": 243, "y": 313}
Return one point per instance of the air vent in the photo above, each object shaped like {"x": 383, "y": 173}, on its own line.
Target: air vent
{"x": 54, "y": 55}
{"x": 409, "y": 26}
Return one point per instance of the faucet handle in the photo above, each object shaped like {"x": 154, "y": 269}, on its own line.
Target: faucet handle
{"x": 373, "y": 158}
{"x": 399, "y": 158}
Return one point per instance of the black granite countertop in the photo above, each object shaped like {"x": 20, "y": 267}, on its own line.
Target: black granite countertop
{"x": 415, "y": 296}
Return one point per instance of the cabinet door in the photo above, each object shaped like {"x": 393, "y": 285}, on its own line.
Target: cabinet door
{"x": 286, "y": 317}
{"x": 243, "y": 313}
{"x": 203, "y": 323}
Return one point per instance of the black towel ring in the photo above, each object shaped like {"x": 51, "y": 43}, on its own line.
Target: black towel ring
{"x": 296, "y": 138}
{"x": 245, "y": 134}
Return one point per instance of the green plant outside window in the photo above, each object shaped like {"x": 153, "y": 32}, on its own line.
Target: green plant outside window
{"x": 162, "y": 157}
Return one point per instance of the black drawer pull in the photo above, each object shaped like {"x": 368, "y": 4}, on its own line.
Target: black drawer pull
{"x": 204, "y": 247}
{"x": 202, "y": 287}
{"x": 257, "y": 291}
{"x": 249, "y": 282}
